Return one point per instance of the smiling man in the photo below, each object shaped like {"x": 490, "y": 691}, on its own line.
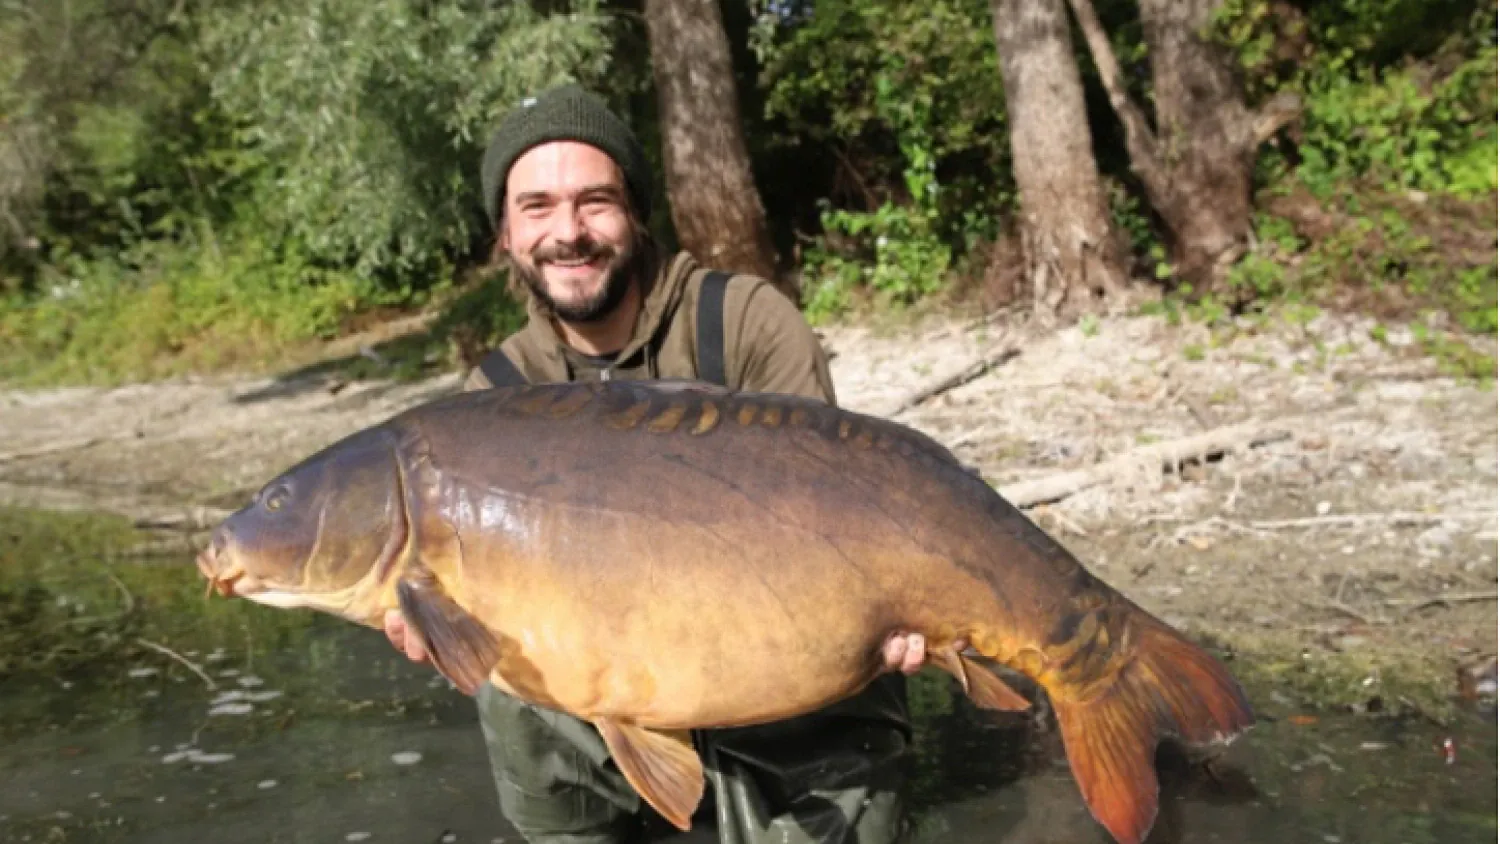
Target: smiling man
{"x": 566, "y": 186}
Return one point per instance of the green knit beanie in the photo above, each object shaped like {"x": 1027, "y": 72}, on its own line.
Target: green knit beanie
{"x": 564, "y": 113}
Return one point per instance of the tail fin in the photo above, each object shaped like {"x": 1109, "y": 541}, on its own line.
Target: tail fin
{"x": 1170, "y": 688}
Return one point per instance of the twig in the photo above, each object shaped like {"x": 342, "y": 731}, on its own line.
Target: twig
{"x": 109, "y": 617}
{"x": 1365, "y": 518}
{"x": 1234, "y": 495}
{"x": 1198, "y": 409}
{"x": 53, "y": 448}
{"x": 1416, "y": 604}
{"x": 1168, "y": 455}
{"x": 958, "y": 379}
{"x": 1340, "y": 606}
{"x": 212, "y": 686}
{"x": 1338, "y": 594}
{"x": 972, "y": 437}
{"x": 1063, "y": 521}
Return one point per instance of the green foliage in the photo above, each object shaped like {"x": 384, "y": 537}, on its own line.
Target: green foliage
{"x": 910, "y": 98}
{"x": 479, "y": 317}
{"x": 236, "y": 177}
{"x": 187, "y": 185}
{"x": 909, "y": 257}
{"x": 1386, "y": 199}
{"x": 1398, "y": 93}
{"x": 162, "y": 307}
{"x": 370, "y": 117}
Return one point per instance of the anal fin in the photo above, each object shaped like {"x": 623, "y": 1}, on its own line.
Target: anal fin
{"x": 662, "y": 766}
{"x": 979, "y": 683}
{"x": 460, "y": 646}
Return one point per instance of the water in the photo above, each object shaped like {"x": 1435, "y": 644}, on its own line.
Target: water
{"x": 317, "y": 731}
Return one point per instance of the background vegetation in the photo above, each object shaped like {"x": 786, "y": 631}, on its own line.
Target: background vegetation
{"x": 187, "y": 184}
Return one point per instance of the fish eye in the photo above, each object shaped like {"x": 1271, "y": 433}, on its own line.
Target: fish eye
{"x": 276, "y": 498}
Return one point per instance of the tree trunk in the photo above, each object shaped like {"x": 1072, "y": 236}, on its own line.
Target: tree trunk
{"x": 1202, "y": 120}
{"x": 1074, "y": 262}
{"x": 1198, "y": 163}
{"x": 716, "y": 207}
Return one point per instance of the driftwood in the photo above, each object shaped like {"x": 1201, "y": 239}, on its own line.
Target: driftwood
{"x": 77, "y": 444}
{"x": 1347, "y": 519}
{"x": 957, "y": 379}
{"x": 1413, "y": 605}
{"x": 1168, "y": 455}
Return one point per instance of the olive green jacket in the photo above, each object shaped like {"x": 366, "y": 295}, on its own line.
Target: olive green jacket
{"x": 768, "y": 346}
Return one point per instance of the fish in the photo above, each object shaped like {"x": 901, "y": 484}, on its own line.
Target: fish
{"x": 668, "y": 556}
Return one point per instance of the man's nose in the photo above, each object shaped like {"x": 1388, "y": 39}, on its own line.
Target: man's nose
{"x": 566, "y": 228}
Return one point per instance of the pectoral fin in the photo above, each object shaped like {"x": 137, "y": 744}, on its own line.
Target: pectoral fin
{"x": 460, "y": 646}
{"x": 663, "y": 767}
{"x": 979, "y": 683}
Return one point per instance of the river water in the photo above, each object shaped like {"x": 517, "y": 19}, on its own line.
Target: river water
{"x": 300, "y": 728}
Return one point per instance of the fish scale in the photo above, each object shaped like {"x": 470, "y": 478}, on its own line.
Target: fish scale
{"x": 564, "y": 541}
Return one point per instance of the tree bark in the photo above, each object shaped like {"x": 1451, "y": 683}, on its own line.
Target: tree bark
{"x": 1197, "y": 164}
{"x": 716, "y": 207}
{"x": 1202, "y": 121}
{"x": 1074, "y": 260}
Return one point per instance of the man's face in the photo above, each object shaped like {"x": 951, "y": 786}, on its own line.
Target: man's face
{"x": 567, "y": 229}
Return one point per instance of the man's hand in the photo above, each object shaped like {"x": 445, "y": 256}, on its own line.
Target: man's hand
{"x": 908, "y": 653}
{"x": 395, "y": 630}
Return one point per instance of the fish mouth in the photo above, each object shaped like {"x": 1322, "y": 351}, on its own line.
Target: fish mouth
{"x": 229, "y": 580}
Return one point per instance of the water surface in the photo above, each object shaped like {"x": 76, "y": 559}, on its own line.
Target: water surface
{"x": 308, "y": 729}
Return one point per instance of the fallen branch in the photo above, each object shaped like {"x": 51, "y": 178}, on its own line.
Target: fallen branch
{"x": 192, "y": 666}
{"x": 1443, "y": 600}
{"x": 1343, "y": 519}
{"x": 1167, "y": 455}
{"x": 1264, "y": 527}
{"x": 57, "y": 447}
{"x": 958, "y": 379}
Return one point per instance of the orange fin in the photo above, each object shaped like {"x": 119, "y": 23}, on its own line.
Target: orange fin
{"x": 662, "y": 766}
{"x": 460, "y": 646}
{"x": 1171, "y": 687}
{"x": 979, "y": 683}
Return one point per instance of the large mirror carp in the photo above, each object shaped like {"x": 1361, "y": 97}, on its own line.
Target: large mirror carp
{"x": 658, "y": 557}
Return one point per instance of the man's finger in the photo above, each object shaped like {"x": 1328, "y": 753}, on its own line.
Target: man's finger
{"x": 395, "y": 629}
{"x": 916, "y": 654}
{"x": 894, "y": 652}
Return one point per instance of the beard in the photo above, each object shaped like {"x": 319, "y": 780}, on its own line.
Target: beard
{"x": 621, "y": 267}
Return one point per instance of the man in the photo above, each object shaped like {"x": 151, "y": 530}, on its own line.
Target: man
{"x": 566, "y": 186}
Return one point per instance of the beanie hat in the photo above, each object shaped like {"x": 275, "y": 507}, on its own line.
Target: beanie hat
{"x": 564, "y": 113}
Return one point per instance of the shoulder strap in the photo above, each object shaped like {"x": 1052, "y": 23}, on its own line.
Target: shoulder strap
{"x": 711, "y": 328}
{"x": 497, "y": 367}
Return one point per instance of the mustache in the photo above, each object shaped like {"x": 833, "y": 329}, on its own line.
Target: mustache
{"x": 583, "y": 249}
